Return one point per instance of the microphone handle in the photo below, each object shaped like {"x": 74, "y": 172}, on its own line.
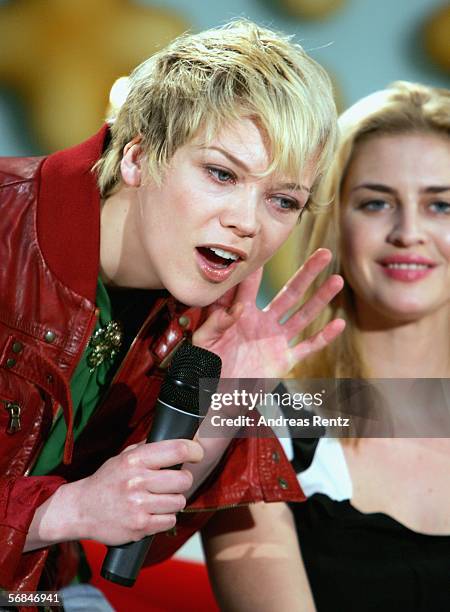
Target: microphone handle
{"x": 123, "y": 563}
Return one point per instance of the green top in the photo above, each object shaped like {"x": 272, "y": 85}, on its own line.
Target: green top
{"x": 87, "y": 388}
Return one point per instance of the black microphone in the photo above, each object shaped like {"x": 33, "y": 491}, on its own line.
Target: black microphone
{"x": 176, "y": 416}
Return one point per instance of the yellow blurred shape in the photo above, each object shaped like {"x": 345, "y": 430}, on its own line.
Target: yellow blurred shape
{"x": 312, "y": 9}
{"x": 61, "y": 56}
{"x": 437, "y": 37}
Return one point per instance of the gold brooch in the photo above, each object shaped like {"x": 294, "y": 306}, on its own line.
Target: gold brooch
{"x": 105, "y": 344}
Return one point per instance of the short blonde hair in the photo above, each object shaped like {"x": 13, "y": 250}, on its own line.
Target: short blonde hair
{"x": 202, "y": 81}
{"x": 401, "y": 108}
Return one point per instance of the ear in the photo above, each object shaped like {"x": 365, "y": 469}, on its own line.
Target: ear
{"x": 131, "y": 163}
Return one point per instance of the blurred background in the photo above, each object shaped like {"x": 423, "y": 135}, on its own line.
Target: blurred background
{"x": 60, "y": 58}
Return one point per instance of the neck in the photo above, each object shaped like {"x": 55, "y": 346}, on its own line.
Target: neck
{"x": 413, "y": 349}
{"x": 123, "y": 262}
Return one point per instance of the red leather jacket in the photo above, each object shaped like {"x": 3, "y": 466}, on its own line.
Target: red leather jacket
{"x": 49, "y": 253}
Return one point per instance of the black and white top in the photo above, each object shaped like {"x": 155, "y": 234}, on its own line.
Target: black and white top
{"x": 361, "y": 562}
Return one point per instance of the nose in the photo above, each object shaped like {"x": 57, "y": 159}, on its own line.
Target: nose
{"x": 241, "y": 214}
{"x": 408, "y": 228}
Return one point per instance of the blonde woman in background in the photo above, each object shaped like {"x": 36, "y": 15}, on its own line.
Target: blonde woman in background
{"x": 377, "y": 533}
{"x": 375, "y": 529}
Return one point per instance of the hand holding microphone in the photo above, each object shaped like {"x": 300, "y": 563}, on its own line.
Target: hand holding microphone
{"x": 176, "y": 417}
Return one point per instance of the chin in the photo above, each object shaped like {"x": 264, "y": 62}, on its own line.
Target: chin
{"x": 405, "y": 311}
{"x": 195, "y": 297}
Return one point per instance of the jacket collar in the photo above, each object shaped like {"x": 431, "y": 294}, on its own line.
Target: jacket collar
{"x": 68, "y": 215}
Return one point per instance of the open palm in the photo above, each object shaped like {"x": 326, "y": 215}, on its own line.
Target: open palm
{"x": 254, "y": 343}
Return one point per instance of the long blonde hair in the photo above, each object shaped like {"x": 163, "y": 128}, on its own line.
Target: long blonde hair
{"x": 401, "y": 108}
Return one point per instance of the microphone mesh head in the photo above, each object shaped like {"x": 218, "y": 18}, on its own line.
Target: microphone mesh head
{"x": 181, "y": 386}
{"x": 191, "y": 363}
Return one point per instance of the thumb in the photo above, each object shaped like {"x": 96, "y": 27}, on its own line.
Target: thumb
{"x": 216, "y": 325}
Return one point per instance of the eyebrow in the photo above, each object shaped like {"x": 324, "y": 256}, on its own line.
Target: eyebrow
{"x": 228, "y": 155}
{"x": 386, "y": 189}
{"x": 294, "y": 187}
{"x": 238, "y": 162}
{"x": 437, "y": 189}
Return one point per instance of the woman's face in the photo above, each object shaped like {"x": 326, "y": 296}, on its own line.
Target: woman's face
{"x": 395, "y": 225}
{"x": 213, "y": 220}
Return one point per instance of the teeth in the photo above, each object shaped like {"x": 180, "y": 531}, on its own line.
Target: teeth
{"x": 407, "y": 266}
{"x": 224, "y": 254}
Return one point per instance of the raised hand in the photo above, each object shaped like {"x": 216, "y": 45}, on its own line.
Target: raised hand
{"x": 256, "y": 343}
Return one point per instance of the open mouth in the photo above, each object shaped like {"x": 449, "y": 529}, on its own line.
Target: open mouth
{"x": 218, "y": 258}
{"x": 216, "y": 264}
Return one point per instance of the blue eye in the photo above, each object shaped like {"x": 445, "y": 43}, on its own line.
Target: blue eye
{"x": 373, "y": 205}
{"x": 220, "y": 175}
{"x": 440, "y": 207}
{"x": 286, "y": 204}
